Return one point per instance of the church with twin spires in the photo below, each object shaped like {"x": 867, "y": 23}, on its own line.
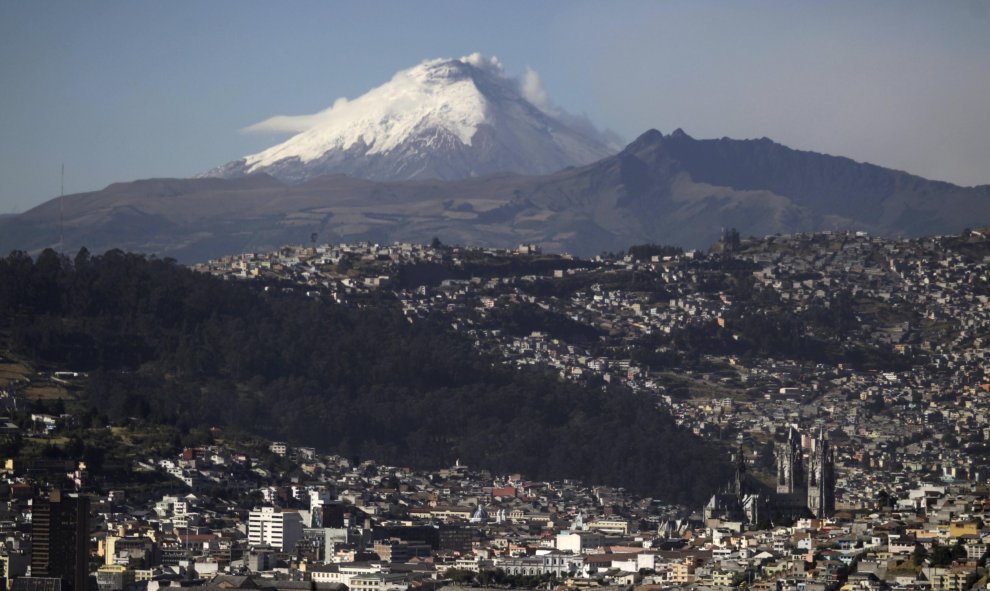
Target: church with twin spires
{"x": 805, "y": 486}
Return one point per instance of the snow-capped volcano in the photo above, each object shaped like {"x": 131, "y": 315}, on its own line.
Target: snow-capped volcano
{"x": 446, "y": 119}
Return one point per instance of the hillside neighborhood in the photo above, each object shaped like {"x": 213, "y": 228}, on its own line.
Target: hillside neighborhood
{"x": 565, "y": 295}
{"x": 884, "y": 384}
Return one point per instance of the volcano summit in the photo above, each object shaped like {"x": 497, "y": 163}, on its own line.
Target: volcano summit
{"x": 443, "y": 119}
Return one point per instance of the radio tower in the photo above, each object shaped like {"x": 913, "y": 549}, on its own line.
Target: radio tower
{"x": 61, "y": 213}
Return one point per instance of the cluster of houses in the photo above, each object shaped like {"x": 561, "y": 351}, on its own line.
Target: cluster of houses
{"x": 893, "y": 429}
{"x": 302, "y": 521}
{"x": 910, "y": 467}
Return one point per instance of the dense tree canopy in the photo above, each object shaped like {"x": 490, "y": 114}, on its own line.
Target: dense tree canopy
{"x": 164, "y": 344}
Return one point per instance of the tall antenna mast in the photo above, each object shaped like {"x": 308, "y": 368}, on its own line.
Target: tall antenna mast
{"x": 61, "y": 213}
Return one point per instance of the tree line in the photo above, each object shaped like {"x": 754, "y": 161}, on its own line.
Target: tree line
{"x": 165, "y": 345}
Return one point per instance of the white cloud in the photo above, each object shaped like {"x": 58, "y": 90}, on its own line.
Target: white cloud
{"x": 479, "y": 61}
{"x": 533, "y": 91}
{"x": 295, "y": 123}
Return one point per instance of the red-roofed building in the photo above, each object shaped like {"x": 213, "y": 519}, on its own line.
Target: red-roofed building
{"x": 504, "y": 491}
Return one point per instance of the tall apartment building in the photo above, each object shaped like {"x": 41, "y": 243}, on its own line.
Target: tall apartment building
{"x": 275, "y": 527}
{"x": 60, "y": 538}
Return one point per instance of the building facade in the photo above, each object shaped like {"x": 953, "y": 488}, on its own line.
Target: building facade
{"x": 60, "y": 538}
{"x": 270, "y": 526}
{"x": 803, "y": 487}
{"x": 821, "y": 478}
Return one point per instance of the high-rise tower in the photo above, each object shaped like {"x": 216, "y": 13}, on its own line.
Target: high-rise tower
{"x": 60, "y": 538}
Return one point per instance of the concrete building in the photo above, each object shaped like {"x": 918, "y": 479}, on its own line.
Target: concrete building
{"x": 274, "y": 527}
{"x": 114, "y": 577}
{"x": 60, "y": 537}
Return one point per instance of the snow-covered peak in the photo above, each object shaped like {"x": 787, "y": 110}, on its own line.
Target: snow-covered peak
{"x": 425, "y": 122}
{"x": 437, "y": 94}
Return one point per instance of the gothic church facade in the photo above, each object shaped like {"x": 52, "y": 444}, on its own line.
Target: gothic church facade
{"x": 804, "y": 487}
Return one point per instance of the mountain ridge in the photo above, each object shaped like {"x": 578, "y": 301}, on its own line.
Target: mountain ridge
{"x": 670, "y": 189}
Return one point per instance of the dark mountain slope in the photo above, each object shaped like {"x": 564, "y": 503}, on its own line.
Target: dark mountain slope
{"x": 868, "y": 193}
{"x": 662, "y": 189}
{"x": 165, "y": 345}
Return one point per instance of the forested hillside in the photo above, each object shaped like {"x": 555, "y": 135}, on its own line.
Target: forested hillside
{"x": 166, "y": 345}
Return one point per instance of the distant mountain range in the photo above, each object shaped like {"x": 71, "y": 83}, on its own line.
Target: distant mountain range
{"x": 670, "y": 189}
{"x": 443, "y": 119}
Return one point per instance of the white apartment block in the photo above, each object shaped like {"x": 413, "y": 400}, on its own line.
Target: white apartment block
{"x": 278, "y": 528}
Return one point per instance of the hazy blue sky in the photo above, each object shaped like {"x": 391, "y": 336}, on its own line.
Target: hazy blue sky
{"x": 125, "y": 90}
